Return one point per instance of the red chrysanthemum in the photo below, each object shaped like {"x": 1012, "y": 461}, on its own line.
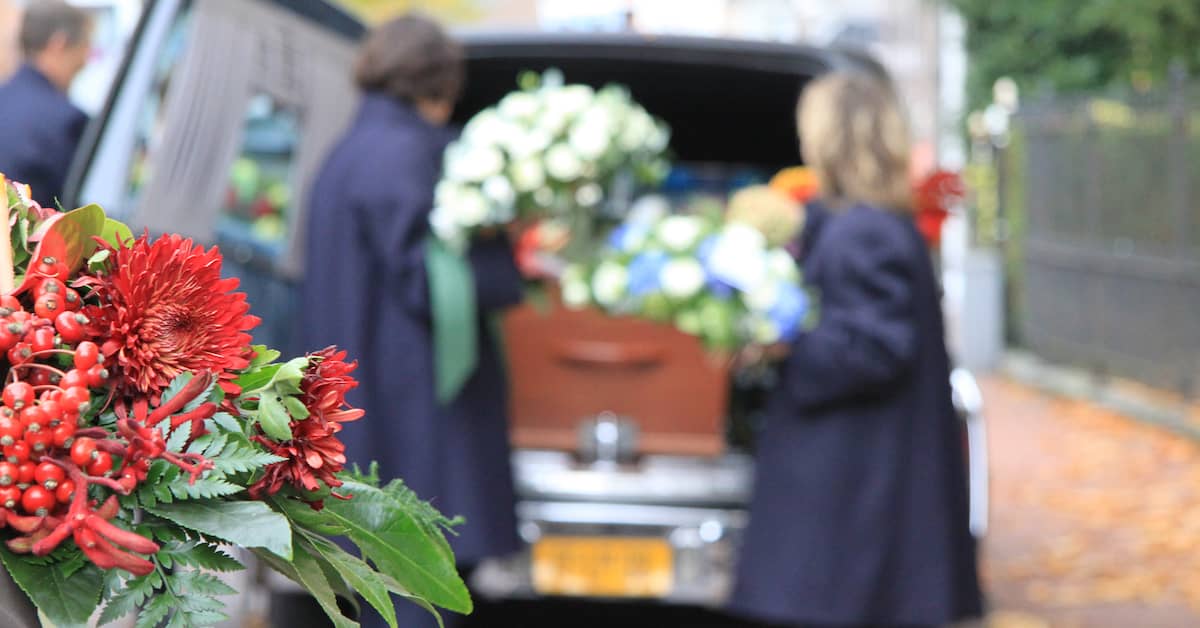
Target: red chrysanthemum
{"x": 314, "y": 455}
{"x": 165, "y": 310}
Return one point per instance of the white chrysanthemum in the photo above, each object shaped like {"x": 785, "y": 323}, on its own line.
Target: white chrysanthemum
{"x": 762, "y": 297}
{"x": 782, "y": 265}
{"x": 590, "y": 140}
{"x": 562, "y": 163}
{"x": 527, "y": 143}
{"x": 609, "y": 283}
{"x": 488, "y": 128}
{"x": 681, "y": 278}
{"x": 445, "y": 228}
{"x": 520, "y": 106}
{"x": 637, "y": 129}
{"x": 679, "y": 233}
{"x": 589, "y": 195}
{"x": 592, "y": 133}
{"x": 570, "y": 99}
{"x": 468, "y": 162}
{"x": 553, "y": 122}
{"x": 658, "y": 140}
{"x": 527, "y": 175}
{"x": 499, "y": 191}
{"x": 575, "y": 293}
{"x": 470, "y": 208}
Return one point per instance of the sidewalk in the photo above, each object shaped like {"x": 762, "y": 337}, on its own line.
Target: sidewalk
{"x": 1096, "y": 516}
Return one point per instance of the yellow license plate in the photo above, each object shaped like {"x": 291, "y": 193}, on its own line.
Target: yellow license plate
{"x": 603, "y": 567}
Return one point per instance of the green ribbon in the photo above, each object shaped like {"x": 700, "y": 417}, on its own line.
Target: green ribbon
{"x": 455, "y": 318}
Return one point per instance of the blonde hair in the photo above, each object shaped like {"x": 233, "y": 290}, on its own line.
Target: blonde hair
{"x": 854, "y": 136}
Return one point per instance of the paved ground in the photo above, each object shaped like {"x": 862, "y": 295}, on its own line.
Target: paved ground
{"x": 1096, "y": 518}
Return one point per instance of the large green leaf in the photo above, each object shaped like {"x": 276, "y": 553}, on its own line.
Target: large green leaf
{"x": 273, "y": 417}
{"x": 358, "y": 574}
{"x": 248, "y": 524}
{"x": 401, "y": 547}
{"x": 306, "y": 571}
{"x": 255, "y": 380}
{"x": 65, "y": 602}
{"x": 116, "y": 233}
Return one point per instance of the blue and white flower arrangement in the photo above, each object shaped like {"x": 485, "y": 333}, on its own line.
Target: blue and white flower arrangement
{"x": 718, "y": 280}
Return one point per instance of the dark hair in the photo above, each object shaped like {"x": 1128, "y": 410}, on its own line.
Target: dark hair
{"x": 411, "y": 58}
{"x": 45, "y": 18}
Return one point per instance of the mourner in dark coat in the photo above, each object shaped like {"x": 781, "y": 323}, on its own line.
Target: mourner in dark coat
{"x": 365, "y": 289}
{"x": 39, "y": 127}
{"x": 859, "y": 516}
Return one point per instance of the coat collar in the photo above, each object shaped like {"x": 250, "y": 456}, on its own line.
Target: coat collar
{"x": 33, "y": 76}
{"x": 379, "y": 106}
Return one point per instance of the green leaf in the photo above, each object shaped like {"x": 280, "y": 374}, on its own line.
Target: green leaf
{"x": 358, "y": 574}
{"x": 130, "y": 597}
{"x": 97, "y": 261}
{"x": 177, "y": 385}
{"x": 197, "y": 554}
{"x": 155, "y": 611}
{"x": 295, "y": 407}
{"x": 429, "y": 517}
{"x": 65, "y": 603}
{"x": 179, "y": 436}
{"x": 227, "y": 422}
{"x": 273, "y": 418}
{"x": 203, "y": 488}
{"x": 263, "y": 355}
{"x": 400, "y": 545}
{"x": 287, "y": 379}
{"x": 307, "y": 572}
{"x": 203, "y": 585}
{"x": 256, "y": 380}
{"x": 248, "y": 524}
{"x": 116, "y": 233}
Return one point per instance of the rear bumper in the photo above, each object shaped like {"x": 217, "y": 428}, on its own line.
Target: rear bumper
{"x": 697, "y": 505}
{"x": 703, "y": 541}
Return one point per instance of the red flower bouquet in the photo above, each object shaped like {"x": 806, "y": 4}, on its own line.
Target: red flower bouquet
{"x": 143, "y": 434}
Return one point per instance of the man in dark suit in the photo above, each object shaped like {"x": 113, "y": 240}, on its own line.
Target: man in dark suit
{"x": 39, "y": 127}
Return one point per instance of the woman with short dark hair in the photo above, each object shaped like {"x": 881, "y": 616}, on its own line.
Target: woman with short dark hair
{"x": 366, "y": 289}
{"x": 859, "y": 516}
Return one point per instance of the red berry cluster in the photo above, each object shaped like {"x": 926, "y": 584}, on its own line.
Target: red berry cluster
{"x": 52, "y": 456}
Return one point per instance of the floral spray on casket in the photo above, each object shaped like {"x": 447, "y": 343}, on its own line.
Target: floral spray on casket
{"x": 143, "y": 435}
{"x": 723, "y": 279}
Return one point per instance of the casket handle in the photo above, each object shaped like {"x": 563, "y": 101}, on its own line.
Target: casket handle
{"x": 609, "y": 354}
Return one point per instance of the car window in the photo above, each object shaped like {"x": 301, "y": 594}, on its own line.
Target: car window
{"x": 119, "y": 167}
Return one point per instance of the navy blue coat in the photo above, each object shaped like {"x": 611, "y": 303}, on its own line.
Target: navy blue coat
{"x": 39, "y": 132}
{"x": 859, "y": 515}
{"x": 365, "y": 290}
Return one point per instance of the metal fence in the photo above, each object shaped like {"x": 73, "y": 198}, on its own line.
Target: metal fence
{"x": 1105, "y": 200}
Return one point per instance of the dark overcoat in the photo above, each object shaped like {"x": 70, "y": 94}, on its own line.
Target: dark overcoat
{"x": 365, "y": 290}
{"x": 39, "y": 132}
{"x": 859, "y": 515}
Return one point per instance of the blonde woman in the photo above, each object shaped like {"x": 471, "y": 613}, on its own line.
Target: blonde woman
{"x": 860, "y": 509}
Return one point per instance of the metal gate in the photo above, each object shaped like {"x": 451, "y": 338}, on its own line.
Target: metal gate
{"x": 1111, "y": 235}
